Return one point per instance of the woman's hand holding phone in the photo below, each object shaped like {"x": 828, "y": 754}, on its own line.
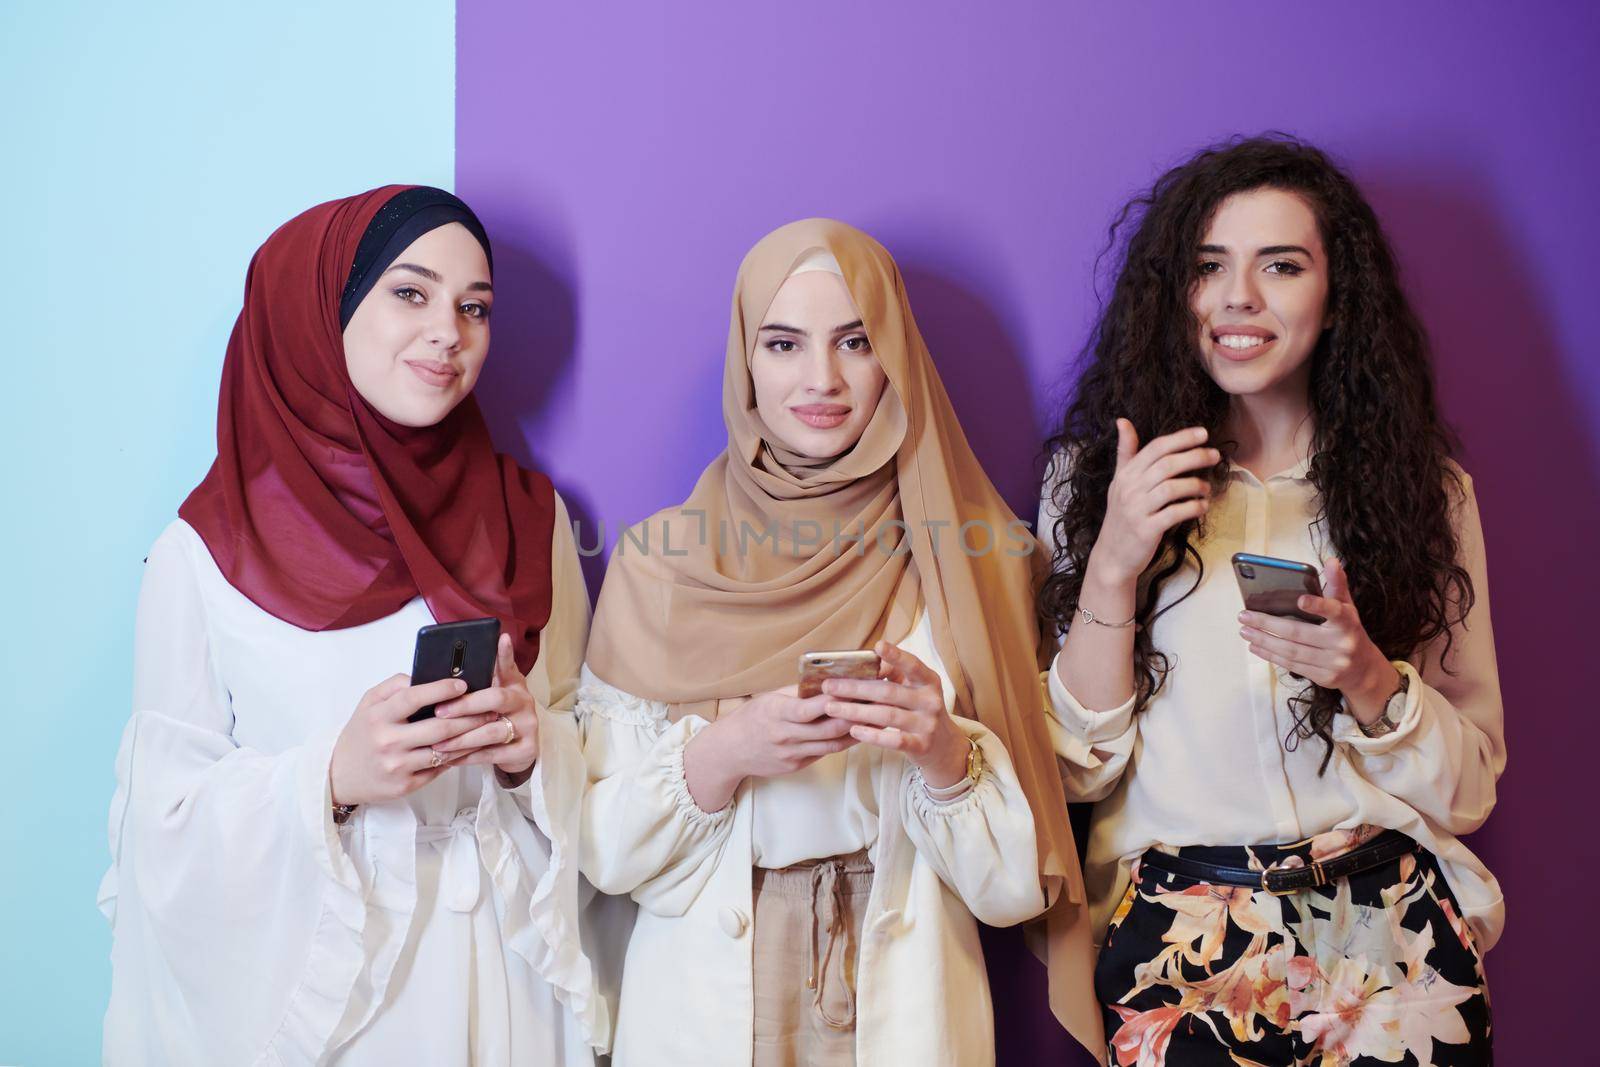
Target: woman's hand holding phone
{"x": 904, "y": 711}
{"x": 380, "y": 756}
{"x": 512, "y": 750}
{"x": 1337, "y": 654}
{"x": 770, "y": 735}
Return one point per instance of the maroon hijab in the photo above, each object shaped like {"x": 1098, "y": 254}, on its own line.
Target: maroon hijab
{"x": 325, "y": 513}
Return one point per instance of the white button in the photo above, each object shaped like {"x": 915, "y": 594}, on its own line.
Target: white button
{"x": 732, "y": 921}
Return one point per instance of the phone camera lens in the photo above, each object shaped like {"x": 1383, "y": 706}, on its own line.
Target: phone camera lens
{"x": 1246, "y": 571}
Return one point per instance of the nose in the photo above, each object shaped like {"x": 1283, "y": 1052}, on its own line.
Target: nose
{"x": 822, "y": 374}
{"x": 1242, "y": 294}
{"x": 442, "y": 330}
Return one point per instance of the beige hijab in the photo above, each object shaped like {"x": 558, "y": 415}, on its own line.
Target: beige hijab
{"x": 716, "y": 599}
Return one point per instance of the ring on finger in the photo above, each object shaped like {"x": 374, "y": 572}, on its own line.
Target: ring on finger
{"x": 436, "y": 760}
{"x": 511, "y": 730}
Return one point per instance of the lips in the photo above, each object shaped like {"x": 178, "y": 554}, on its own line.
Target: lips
{"x": 431, "y": 373}
{"x": 821, "y": 416}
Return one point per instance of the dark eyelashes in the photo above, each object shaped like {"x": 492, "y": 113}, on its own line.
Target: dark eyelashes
{"x": 784, "y": 346}
{"x": 1277, "y": 266}
{"x": 412, "y": 295}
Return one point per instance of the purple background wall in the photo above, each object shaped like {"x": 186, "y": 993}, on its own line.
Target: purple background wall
{"x": 625, "y": 159}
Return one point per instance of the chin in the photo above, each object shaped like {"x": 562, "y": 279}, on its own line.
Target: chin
{"x": 419, "y": 416}
{"x": 812, "y": 446}
{"x": 1244, "y": 379}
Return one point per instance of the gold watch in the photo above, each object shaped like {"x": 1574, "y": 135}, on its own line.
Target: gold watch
{"x": 974, "y": 761}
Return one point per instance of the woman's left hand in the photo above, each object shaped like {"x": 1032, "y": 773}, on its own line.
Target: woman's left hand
{"x": 1337, "y": 654}
{"x": 903, "y": 710}
{"x": 507, "y": 696}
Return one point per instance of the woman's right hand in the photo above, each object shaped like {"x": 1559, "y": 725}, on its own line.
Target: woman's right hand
{"x": 770, "y": 735}
{"x": 380, "y": 756}
{"x": 1152, "y": 491}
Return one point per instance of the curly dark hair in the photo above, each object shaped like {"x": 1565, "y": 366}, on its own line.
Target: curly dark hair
{"x": 1380, "y": 451}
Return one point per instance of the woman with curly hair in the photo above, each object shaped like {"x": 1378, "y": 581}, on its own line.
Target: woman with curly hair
{"x": 1275, "y": 861}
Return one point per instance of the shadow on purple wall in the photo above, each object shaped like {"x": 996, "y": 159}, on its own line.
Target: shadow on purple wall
{"x": 1505, "y": 386}
{"x": 985, "y": 375}
{"x": 535, "y": 342}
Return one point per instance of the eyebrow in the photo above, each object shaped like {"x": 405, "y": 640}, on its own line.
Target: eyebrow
{"x": 778, "y": 327}
{"x": 1269, "y": 250}
{"x": 431, "y": 275}
{"x": 435, "y": 276}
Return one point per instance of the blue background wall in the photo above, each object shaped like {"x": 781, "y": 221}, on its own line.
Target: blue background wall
{"x": 148, "y": 149}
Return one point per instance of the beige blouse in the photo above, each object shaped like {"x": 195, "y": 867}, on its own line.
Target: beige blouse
{"x": 1206, "y": 764}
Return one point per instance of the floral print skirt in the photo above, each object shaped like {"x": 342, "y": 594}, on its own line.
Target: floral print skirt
{"x": 1376, "y": 968}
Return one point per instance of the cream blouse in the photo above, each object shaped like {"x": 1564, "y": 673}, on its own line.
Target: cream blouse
{"x": 1206, "y": 764}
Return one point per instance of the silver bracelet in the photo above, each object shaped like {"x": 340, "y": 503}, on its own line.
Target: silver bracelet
{"x": 1088, "y": 616}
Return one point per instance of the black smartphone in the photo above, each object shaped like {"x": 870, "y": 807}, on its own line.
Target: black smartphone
{"x": 1273, "y": 586}
{"x": 464, "y": 650}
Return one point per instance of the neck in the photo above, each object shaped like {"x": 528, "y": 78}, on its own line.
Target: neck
{"x": 1273, "y": 429}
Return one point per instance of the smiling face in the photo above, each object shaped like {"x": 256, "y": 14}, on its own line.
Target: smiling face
{"x": 416, "y": 342}
{"x": 817, "y": 381}
{"x": 1262, "y": 293}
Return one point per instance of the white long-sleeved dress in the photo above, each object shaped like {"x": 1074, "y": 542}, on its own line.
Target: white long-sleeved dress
{"x": 922, "y": 992}
{"x": 249, "y": 929}
{"x": 1206, "y": 762}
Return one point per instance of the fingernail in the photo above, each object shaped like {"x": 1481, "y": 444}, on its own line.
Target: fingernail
{"x": 461, "y": 686}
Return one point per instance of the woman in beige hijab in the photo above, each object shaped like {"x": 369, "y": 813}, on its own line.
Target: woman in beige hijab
{"x": 809, "y": 872}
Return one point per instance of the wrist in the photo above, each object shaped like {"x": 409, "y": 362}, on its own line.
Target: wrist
{"x": 948, "y": 764}
{"x": 335, "y": 795}
{"x": 710, "y": 768}
{"x": 513, "y": 779}
{"x": 1368, "y": 699}
{"x": 1107, "y": 585}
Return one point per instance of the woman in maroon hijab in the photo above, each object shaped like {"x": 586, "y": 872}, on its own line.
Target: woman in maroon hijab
{"x": 300, "y": 874}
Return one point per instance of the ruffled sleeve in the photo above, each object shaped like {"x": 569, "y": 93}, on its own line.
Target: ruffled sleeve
{"x": 982, "y": 843}
{"x": 643, "y": 834}
{"x": 220, "y": 853}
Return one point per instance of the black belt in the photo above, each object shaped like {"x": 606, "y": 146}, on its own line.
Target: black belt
{"x": 1281, "y": 881}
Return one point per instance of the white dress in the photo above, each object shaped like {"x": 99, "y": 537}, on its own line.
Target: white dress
{"x": 249, "y": 929}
